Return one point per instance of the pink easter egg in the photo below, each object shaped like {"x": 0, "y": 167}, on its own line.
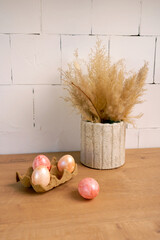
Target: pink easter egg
{"x": 66, "y": 162}
{"x": 88, "y": 188}
{"x": 41, "y": 160}
{"x": 41, "y": 176}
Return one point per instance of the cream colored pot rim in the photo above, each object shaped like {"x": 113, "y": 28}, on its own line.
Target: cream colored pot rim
{"x": 102, "y": 124}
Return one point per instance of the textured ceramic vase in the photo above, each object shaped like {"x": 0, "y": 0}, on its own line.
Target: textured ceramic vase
{"x": 103, "y": 145}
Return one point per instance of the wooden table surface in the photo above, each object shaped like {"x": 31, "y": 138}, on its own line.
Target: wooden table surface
{"x": 127, "y": 207}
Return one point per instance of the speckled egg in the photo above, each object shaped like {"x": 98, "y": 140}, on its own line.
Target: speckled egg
{"x": 66, "y": 162}
{"x": 41, "y": 176}
{"x": 88, "y": 188}
{"x": 41, "y": 160}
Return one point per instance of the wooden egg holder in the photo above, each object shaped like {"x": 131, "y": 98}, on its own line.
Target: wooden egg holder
{"x": 56, "y": 178}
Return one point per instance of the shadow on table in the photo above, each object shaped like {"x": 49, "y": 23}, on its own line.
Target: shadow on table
{"x": 20, "y": 188}
{"x": 75, "y": 196}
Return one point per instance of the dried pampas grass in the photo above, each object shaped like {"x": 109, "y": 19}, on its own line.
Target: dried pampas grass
{"x": 106, "y": 93}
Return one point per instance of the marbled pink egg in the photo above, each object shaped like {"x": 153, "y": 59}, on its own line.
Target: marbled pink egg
{"x": 88, "y": 188}
{"x": 66, "y": 162}
{"x": 41, "y": 160}
{"x": 41, "y": 176}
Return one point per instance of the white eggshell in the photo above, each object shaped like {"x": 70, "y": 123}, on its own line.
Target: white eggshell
{"x": 41, "y": 176}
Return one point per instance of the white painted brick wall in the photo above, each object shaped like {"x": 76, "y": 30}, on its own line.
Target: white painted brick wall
{"x": 53, "y": 126}
{"x": 66, "y": 16}
{"x": 157, "y": 62}
{"x": 116, "y": 17}
{"x": 20, "y": 16}
{"x": 36, "y": 59}
{"x": 135, "y": 50}
{"x": 149, "y": 138}
{"x": 16, "y": 103}
{"x": 5, "y": 59}
{"x": 150, "y": 107}
{"x": 39, "y": 36}
{"x": 132, "y": 138}
{"x": 150, "y": 22}
{"x": 56, "y": 119}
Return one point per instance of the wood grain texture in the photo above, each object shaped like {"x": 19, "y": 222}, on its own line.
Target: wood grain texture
{"x": 127, "y": 207}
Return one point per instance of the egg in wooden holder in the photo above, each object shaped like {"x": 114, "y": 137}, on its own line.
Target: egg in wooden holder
{"x": 56, "y": 178}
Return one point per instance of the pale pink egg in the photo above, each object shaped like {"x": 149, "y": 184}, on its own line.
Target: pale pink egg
{"x": 41, "y": 160}
{"x": 66, "y": 162}
{"x": 41, "y": 176}
{"x": 88, "y": 188}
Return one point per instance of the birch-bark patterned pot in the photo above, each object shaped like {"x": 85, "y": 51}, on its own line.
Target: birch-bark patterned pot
{"x": 103, "y": 145}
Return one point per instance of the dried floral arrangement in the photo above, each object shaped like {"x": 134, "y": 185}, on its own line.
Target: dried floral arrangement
{"x": 106, "y": 93}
